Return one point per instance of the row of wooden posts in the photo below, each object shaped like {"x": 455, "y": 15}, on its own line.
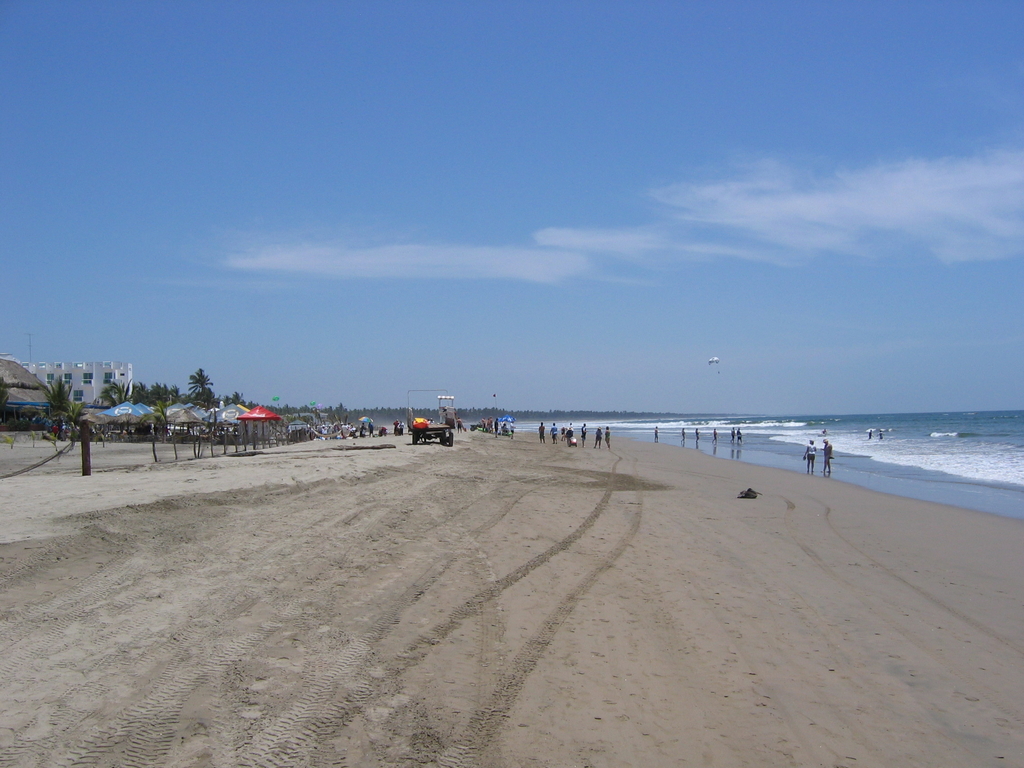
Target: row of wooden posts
{"x": 260, "y": 438}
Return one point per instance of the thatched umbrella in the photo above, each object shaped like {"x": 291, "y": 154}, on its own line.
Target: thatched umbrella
{"x": 184, "y": 416}
{"x": 25, "y": 391}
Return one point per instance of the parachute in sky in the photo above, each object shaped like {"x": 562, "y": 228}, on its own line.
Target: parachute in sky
{"x": 713, "y": 361}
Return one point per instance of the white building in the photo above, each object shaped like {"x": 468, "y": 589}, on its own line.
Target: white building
{"x": 85, "y": 380}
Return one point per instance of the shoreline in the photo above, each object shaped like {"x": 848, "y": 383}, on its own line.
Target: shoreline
{"x": 1002, "y": 499}
{"x": 897, "y": 480}
{"x": 503, "y": 602}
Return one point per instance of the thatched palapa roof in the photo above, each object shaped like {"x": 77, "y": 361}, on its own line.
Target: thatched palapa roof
{"x": 24, "y": 387}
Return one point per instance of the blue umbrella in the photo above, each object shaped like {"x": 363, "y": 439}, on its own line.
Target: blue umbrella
{"x": 128, "y": 411}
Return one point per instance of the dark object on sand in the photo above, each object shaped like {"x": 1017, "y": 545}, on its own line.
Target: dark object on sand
{"x": 245, "y": 453}
{"x": 374, "y": 447}
{"x": 750, "y": 493}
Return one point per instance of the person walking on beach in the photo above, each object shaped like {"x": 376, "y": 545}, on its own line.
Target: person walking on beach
{"x": 714, "y": 436}
{"x": 597, "y": 438}
{"x": 541, "y": 431}
{"x": 682, "y": 434}
{"x": 696, "y": 433}
{"x": 732, "y": 439}
{"x": 826, "y": 454}
{"x": 739, "y": 436}
{"x": 583, "y": 435}
{"x": 809, "y": 454}
{"x": 554, "y": 433}
{"x": 608, "y": 438}
{"x": 655, "y": 434}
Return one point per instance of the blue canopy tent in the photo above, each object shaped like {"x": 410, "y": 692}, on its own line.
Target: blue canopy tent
{"x": 228, "y": 414}
{"x": 128, "y": 411}
{"x": 507, "y": 418}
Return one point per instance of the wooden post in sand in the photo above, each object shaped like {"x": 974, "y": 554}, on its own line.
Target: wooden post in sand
{"x": 85, "y": 432}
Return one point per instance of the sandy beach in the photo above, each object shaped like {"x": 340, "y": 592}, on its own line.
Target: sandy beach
{"x": 499, "y": 603}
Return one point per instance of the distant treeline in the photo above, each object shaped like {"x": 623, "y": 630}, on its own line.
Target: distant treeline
{"x": 150, "y": 395}
{"x": 473, "y": 415}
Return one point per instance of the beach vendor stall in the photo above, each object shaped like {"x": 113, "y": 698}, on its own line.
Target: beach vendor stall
{"x": 257, "y": 422}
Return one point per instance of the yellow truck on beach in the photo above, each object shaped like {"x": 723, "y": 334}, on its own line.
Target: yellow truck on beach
{"x": 443, "y": 430}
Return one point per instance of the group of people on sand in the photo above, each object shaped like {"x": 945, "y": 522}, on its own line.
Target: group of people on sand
{"x": 567, "y": 435}
{"x": 811, "y": 452}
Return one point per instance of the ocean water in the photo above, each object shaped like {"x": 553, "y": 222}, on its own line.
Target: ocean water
{"x": 970, "y": 459}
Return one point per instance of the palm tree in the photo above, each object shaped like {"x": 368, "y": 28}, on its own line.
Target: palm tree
{"x": 74, "y": 413}
{"x": 159, "y": 419}
{"x": 200, "y": 386}
{"x": 5, "y": 393}
{"x": 58, "y": 397}
{"x": 163, "y": 392}
{"x": 139, "y": 393}
{"x": 116, "y": 392}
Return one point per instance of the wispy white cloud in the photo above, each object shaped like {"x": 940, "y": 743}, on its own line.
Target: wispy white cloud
{"x": 952, "y": 209}
{"x": 544, "y": 265}
{"x": 955, "y": 209}
{"x": 617, "y": 241}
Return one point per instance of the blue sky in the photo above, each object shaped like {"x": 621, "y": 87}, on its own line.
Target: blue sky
{"x": 569, "y": 205}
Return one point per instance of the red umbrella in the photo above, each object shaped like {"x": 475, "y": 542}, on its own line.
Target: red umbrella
{"x": 259, "y": 413}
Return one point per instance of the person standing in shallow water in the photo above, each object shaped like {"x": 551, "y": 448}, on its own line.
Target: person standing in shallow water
{"x": 826, "y": 455}
{"x": 655, "y": 434}
{"x": 809, "y": 454}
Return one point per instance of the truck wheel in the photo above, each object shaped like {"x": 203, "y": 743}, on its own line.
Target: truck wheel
{"x": 415, "y": 437}
{"x": 449, "y": 438}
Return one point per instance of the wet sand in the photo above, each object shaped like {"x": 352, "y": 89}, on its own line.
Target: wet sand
{"x": 500, "y": 603}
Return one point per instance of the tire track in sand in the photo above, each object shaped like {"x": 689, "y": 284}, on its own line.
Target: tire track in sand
{"x": 317, "y": 718}
{"x": 472, "y": 606}
{"x": 142, "y": 729}
{"x": 487, "y": 721}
